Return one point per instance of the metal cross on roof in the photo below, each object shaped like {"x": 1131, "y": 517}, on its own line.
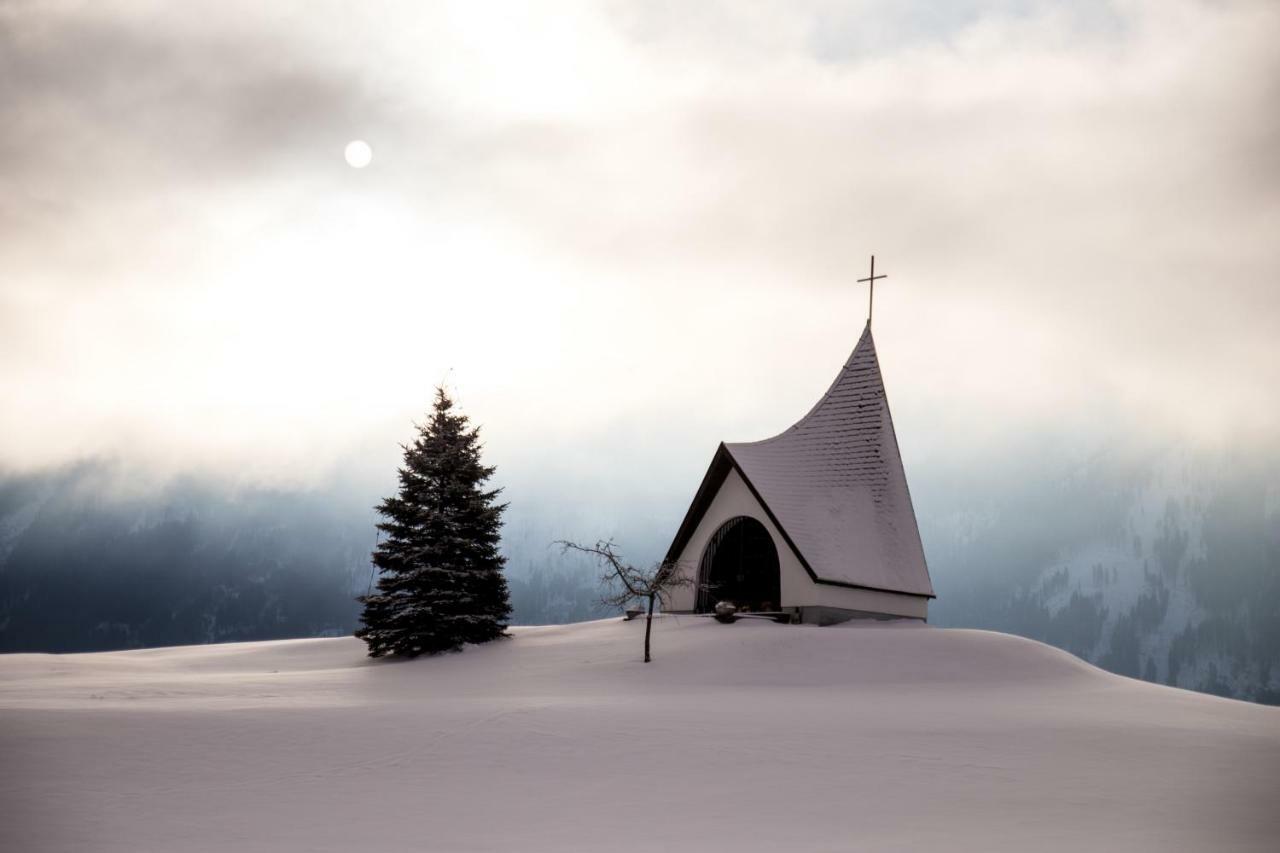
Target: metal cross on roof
{"x": 871, "y": 278}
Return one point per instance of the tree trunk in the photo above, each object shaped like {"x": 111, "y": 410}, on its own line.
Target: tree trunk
{"x": 648, "y": 627}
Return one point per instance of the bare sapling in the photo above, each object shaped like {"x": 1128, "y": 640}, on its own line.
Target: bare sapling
{"x": 626, "y": 583}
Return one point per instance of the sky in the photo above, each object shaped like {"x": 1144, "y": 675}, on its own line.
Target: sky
{"x": 621, "y": 232}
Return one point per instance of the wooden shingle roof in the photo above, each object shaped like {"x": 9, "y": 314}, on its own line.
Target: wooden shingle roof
{"x": 834, "y": 486}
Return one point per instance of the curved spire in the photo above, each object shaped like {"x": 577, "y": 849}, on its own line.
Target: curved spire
{"x": 835, "y": 483}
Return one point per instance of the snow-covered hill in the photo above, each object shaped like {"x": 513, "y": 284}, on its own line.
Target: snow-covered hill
{"x": 752, "y": 736}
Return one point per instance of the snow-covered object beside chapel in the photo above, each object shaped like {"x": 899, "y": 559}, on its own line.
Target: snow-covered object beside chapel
{"x": 817, "y": 521}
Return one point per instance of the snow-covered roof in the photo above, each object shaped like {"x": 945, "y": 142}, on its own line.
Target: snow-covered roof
{"x": 834, "y": 485}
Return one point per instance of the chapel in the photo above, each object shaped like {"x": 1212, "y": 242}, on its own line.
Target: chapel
{"x": 814, "y": 525}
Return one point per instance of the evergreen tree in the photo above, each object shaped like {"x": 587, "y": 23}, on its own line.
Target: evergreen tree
{"x": 440, "y": 581}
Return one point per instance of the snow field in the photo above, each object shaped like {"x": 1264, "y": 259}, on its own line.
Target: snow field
{"x": 751, "y": 736}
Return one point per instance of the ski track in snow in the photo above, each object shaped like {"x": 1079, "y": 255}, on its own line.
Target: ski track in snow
{"x": 747, "y": 737}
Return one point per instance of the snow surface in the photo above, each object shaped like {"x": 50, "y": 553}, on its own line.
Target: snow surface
{"x": 752, "y": 736}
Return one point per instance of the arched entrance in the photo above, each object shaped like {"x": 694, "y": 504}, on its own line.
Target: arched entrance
{"x": 739, "y": 564}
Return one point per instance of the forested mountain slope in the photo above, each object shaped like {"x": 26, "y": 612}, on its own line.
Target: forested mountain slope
{"x": 1164, "y": 567}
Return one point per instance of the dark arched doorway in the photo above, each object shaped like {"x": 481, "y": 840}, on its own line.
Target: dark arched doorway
{"x": 739, "y": 564}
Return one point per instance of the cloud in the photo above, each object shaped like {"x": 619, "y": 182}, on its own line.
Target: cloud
{"x": 635, "y": 230}
{"x": 106, "y": 103}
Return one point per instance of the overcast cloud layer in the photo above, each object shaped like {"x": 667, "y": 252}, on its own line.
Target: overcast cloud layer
{"x": 627, "y": 231}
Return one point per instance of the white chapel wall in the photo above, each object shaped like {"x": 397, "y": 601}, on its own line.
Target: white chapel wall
{"x": 798, "y": 589}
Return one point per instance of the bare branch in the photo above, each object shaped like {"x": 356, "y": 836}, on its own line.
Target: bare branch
{"x": 629, "y": 576}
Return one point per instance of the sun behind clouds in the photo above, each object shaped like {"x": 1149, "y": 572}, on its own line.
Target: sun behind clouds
{"x": 358, "y": 153}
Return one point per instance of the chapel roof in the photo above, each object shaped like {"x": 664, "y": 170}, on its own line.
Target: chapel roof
{"x": 834, "y": 485}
